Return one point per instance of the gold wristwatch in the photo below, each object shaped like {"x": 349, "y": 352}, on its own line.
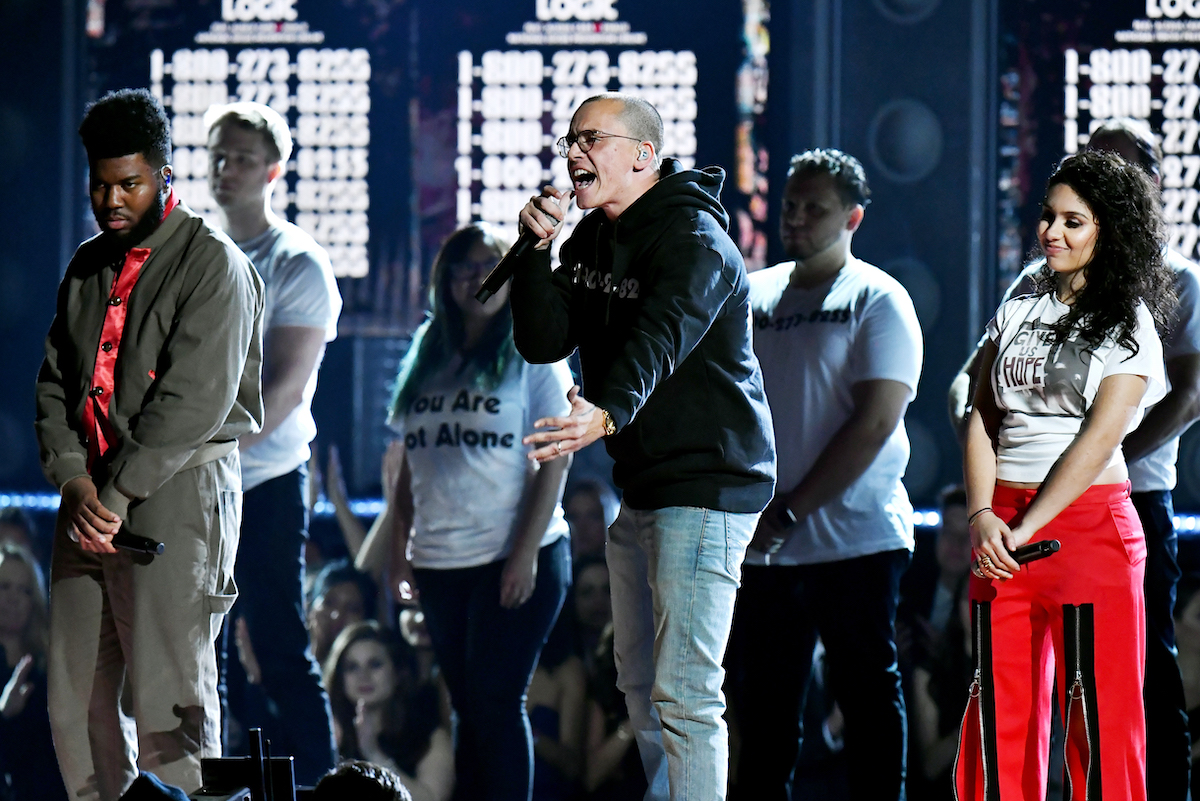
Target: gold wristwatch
{"x": 610, "y": 427}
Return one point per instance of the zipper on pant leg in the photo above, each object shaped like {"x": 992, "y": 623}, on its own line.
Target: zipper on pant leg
{"x": 1081, "y": 725}
{"x": 979, "y": 719}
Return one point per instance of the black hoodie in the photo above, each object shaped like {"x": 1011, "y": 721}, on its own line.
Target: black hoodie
{"x": 657, "y": 304}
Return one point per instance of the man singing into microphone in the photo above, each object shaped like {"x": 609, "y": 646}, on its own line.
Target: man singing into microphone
{"x": 654, "y": 295}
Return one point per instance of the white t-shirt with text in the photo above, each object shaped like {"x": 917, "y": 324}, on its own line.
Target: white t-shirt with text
{"x": 1046, "y": 390}
{"x": 469, "y": 468}
{"x": 814, "y": 345}
{"x": 1156, "y": 470}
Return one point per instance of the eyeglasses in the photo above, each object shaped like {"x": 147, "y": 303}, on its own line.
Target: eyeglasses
{"x": 586, "y": 140}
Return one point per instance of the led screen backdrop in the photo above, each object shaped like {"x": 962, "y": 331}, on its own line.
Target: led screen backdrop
{"x": 411, "y": 118}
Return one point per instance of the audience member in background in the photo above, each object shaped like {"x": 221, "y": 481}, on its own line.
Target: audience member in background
{"x": 939, "y": 684}
{"x": 325, "y": 542}
{"x": 612, "y": 765}
{"x": 384, "y": 715}
{"x": 353, "y": 531}
{"x": 26, "y": 749}
{"x": 941, "y": 560}
{"x": 590, "y": 506}
{"x": 591, "y": 599}
{"x": 481, "y": 523}
{"x": 349, "y": 528}
{"x": 341, "y": 595}
{"x": 17, "y": 527}
{"x": 361, "y": 781}
{"x": 557, "y": 701}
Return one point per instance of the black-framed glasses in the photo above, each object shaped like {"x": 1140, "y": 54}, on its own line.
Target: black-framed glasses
{"x": 586, "y": 140}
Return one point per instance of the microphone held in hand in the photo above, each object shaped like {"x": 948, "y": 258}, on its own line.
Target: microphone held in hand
{"x": 1035, "y": 550}
{"x": 504, "y": 268}
{"x": 133, "y": 542}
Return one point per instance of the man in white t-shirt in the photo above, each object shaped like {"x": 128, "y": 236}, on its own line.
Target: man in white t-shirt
{"x": 1150, "y": 452}
{"x": 840, "y": 348}
{"x": 248, "y": 146}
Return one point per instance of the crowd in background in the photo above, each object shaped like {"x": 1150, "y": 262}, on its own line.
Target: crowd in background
{"x": 389, "y": 702}
{"x": 408, "y": 718}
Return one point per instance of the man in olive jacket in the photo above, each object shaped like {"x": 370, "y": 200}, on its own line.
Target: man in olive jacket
{"x": 152, "y": 372}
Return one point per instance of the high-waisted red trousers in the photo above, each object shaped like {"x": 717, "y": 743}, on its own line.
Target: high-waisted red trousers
{"x": 1091, "y": 590}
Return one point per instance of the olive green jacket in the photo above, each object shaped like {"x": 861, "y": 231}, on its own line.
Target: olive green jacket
{"x": 188, "y": 374}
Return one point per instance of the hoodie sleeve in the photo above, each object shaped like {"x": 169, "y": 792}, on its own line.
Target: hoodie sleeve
{"x": 690, "y": 282}
{"x": 541, "y": 308}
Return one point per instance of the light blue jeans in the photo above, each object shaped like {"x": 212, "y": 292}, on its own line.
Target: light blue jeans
{"x": 675, "y": 574}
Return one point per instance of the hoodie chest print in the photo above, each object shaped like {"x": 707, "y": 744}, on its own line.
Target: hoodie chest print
{"x": 593, "y": 279}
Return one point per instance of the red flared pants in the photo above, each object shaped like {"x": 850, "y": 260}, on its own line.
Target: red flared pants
{"x": 1094, "y": 585}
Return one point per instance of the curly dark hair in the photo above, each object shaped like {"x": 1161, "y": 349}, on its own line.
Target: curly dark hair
{"x": 847, "y": 173}
{"x": 126, "y": 122}
{"x": 1127, "y": 265}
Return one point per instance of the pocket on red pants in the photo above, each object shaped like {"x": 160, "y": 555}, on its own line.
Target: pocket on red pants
{"x": 1129, "y": 529}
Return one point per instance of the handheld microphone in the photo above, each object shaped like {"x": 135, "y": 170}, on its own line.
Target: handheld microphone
{"x": 1029, "y": 552}
{"x": 504, "y": 268}
{"x": 136, "y": 543}
{"x": 1035, "y": 550}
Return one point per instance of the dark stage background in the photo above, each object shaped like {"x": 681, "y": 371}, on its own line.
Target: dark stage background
{"x": 413, "y": 116}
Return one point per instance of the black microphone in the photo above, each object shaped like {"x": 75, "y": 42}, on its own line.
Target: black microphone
{"x": 134, "y": 542}
{"x": 1035, "y": 550}
{"x": 504, "y": 268}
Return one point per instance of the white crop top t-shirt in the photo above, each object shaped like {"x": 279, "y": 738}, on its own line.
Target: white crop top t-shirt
{"x": 1045, "y": 391}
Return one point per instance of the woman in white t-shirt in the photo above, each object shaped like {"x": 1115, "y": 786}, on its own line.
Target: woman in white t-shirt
{"x": 1072, "y": 369}
{"x": 477, "y": 528}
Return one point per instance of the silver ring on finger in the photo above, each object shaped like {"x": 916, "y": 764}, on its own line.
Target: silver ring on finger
{"x": 558, "y": 447}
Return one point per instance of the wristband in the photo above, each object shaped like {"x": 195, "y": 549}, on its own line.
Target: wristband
{"x": 971, "y": 519}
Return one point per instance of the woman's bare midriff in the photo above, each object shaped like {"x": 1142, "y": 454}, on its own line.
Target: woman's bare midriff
{"x": 1116, "y": 474}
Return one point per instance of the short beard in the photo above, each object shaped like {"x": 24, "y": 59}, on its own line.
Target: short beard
{"x": 147, "y": 225}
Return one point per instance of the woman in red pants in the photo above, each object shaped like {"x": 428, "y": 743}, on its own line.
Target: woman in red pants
{"x": 1071, "y": 369}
